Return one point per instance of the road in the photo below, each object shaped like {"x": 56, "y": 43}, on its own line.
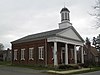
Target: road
{"x": 91, "y": 73}
{"x": 7, "y": 70}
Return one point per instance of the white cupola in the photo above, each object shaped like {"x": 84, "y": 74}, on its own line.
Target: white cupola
{"x": 65, "y": 18}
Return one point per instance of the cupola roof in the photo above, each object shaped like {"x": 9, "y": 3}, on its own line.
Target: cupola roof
{"x": 64, "y": 9}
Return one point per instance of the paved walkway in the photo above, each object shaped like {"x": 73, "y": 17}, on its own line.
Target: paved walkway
{"x": 67, "y": 72}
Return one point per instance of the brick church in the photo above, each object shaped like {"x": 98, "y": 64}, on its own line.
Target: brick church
{"x": 51, "y": 47}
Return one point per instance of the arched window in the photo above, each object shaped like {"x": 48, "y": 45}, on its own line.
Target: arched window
{"x": 66, "y": 16}
{"x": 62, "y": 16}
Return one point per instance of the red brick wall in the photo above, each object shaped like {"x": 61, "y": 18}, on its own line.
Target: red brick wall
{"x": 50, "y": 53}
{"x": 37, "y": 44}
{"x": 28, "y": 45}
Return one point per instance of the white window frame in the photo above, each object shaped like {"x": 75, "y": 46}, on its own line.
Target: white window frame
{"x": 23, "y": 54}
{"x": 31, "y": 50}
{"x": 15, "y": 54}
{"x": 41, "y": 52}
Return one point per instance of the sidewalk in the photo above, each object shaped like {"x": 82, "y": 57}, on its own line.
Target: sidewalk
{"x": 67, "y": 72}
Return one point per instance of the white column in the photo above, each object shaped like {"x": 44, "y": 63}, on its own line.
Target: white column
{"x": 82, "y": 56}
{"x": 75, "y": 54}
{"x": 55, "y": 54}
{"x": 66, "y": 54}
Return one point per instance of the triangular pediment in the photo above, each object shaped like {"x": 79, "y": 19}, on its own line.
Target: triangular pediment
{"x": 70, "y": 33}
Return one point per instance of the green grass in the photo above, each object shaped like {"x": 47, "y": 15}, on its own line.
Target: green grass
{"x": 36, "y": 67}
{"x": 5, "y": 63}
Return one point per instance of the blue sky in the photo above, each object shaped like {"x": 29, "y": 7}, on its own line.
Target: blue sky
{"x": 19, "y": 18}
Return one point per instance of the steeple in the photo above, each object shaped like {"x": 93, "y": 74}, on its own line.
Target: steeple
{"x": 65, "y": 18}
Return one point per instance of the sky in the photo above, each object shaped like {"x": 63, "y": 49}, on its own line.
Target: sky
{"x": 19, "y": 18}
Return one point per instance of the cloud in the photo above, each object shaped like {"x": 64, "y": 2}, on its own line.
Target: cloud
{"x": 19, "y": 18}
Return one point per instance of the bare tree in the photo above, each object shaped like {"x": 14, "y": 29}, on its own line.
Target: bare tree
{"x": 97, "y": 13}
{"x": 1, "y": 46}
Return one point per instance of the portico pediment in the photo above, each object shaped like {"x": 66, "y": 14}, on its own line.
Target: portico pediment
{"x": 70, "y": 33}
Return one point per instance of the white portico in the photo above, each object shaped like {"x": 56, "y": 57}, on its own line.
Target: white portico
{"x": 68, "y": 39}
{"x": 67, "y": 49}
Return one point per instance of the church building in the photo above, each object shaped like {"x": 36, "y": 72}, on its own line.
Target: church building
{"x": 53, "y": 47}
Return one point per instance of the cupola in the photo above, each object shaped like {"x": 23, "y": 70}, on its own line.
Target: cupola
{"x": 65, "y": 14}
{"x": 65, "y": 18}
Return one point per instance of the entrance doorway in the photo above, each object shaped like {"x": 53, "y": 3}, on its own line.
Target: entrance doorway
{"x": 63, "y": 55}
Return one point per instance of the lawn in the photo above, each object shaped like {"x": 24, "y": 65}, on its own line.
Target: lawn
{"x": 5, "y": 63}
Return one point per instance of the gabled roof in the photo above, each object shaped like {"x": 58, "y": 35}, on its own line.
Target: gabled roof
{"x": 77, "y": 34}
{"x": 37, "y": 36}
{"x": 92, "y": 49}
{"x": 71, "y": 34}
{"x": 43, "y": 35}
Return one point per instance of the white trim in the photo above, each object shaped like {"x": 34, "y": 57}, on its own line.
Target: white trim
{"x": 23, "y": 54}
{"x": 66, "y": 54}
{"x": 41, "y": 52}
{"x": 15, "y": 54}
{"x": 82, "y": 55}
{"x": 55, "y": 54}
{"x": 75, "y": 54}
{"x": 69, "y": 33}
{"x": 59, "y": 39}
{"x": 31, "y": 50}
